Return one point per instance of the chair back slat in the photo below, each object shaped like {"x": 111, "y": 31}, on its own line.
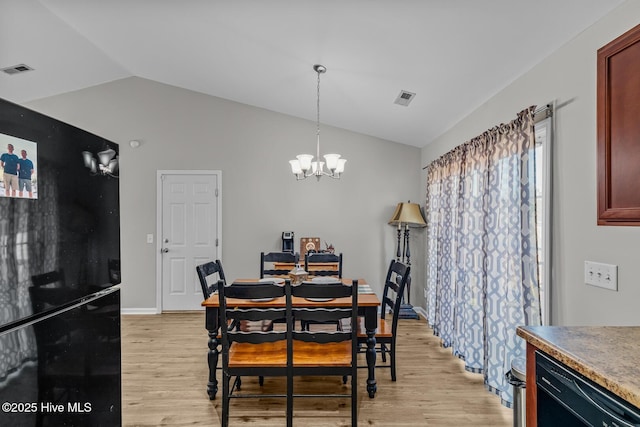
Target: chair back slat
{"x": 254, "y": 290}
{"x": 51, "y": 278}
{"x": 389, "y": 303}
{"x": 311, "y": 289}
{"x": 254, "y": 314}
{"x": 321, "y": 337}
{"x": 323, "y": 258}
{"x": 274, "y": 272}
{"x": 257, "y": 337}
{"x": 324, "y": 314}
{"x": 392, "y": 285}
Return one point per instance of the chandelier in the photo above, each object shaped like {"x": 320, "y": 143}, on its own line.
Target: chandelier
{"x": 107, "y": 163}
{"x": 304, "y": 166}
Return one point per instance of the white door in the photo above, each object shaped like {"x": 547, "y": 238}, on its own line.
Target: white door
{"x": 188, "y": 234}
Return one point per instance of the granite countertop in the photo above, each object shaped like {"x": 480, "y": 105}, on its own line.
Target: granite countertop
{"x": 607, "y": 355}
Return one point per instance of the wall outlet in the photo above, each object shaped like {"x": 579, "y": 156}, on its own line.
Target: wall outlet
{"x": 601, "y": 275}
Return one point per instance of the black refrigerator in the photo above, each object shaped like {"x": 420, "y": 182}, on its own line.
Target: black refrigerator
{"x": 59, "y": 273}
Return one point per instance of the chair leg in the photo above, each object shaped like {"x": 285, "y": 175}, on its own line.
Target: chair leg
{"x": 392, "y": 353}
{"x": 261, "y": 380}
{"x": 238, "y": 382}
{"x": 289, "y": 400}
{"x": 354, "y": 401}
{"x": 225, "y": 400}
{"x": 383, "y": 352}
{"x": 344, "y": 379}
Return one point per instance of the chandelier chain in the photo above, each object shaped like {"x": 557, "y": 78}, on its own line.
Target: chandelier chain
{"x": 318, "y": 107}
{"x": 318, "y": 124}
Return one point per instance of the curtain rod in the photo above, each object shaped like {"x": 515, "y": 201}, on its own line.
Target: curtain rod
{"x": 543, "y": 113}
{"x": 539, "y": 115}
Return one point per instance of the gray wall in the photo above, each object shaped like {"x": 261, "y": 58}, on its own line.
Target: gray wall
{"x": 569, "y": 77}
{"x": 180, "y": 129}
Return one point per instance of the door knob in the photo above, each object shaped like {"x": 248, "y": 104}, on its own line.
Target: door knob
{"x": 164, "y": 250}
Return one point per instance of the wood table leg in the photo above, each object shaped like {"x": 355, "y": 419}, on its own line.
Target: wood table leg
{"x": 370, "y": 325}
{"x": 211, "y": 324}
{"x": 212, "y": 359}
{"x": 371, "y": 362}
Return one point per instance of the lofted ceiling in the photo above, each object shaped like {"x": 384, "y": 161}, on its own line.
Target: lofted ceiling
{"x": 454, "y": 54}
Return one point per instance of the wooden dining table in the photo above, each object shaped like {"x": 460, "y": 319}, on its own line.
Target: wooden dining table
{"x": 368, "y": 303}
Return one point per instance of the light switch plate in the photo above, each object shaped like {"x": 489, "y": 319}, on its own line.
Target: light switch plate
{"x": 601, "y": 275}
{"x": 149, "y": 238}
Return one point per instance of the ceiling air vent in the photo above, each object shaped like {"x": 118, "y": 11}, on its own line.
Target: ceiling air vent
{"x": 16, "y": 69}
{"x": 404, "y": 98}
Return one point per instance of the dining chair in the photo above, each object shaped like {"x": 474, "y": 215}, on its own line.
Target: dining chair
{"x": 267, "y": 260}
{"x": 322, "y": 353}
{"x": 210, "y": 274}
{"x": 321, "y": 269}
{"x": 207, "y": 273}
{"x": 53, "y": 278}
{"x": 323, "y": 258}
{"x": 398, "y": 275}
{"x": 113, "y": 267}
{"x": 252, "y": 351}
{"x": 49, "y": 290}
{"x": 268, "y": 266}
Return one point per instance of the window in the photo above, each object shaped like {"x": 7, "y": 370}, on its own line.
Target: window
{"x": 544, "y": 140}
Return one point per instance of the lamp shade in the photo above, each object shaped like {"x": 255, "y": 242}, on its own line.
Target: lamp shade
{"x": 332, "y": 161}
{"x": 317, "y": 166}
{"x": 295, "y": 166}
{"x": 305, "y": 161}
{"x": 87, "y": 157}
{"x": 408, "y": 213}
{"x": 113, "y": 165}
{"x": 106, "y": 156}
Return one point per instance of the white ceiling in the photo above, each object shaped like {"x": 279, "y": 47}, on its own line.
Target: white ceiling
{"x": 455, "y": 54}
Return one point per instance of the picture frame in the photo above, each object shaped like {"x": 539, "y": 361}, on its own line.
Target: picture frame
{"x": 309, "y": 244}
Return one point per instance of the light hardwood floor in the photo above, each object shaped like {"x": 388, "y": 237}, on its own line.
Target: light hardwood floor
{"x": 164, "y": 377}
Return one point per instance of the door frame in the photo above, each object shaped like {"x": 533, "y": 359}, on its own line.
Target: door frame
{"x": 159, "y": 202}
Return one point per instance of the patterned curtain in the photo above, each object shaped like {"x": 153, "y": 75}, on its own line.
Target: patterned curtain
{"x": 482, "y": 266}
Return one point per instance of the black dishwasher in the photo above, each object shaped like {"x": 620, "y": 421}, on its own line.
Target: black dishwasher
{"x": 566, "y": 398}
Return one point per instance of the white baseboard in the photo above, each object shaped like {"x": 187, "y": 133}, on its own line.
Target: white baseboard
{"x": 152, "y": 310}
{"x": 149, "y": 310}
{"x": 421, "y": 311}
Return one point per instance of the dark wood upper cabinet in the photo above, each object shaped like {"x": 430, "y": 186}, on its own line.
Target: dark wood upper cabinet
{"x": 618, "y": 96}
